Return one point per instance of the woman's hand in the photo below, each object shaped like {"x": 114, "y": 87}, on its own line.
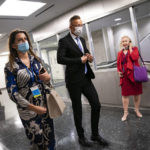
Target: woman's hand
{"x": 130, "y": 47}
{"x": 40, "y": 110}
{"x": 44, "y": 76}
{"x": 120, "y": 74}
{"x": 37, "y": 109}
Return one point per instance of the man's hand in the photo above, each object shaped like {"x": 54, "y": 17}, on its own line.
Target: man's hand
{"x": 84, "y": 59}
{"x": 89, "y": 57}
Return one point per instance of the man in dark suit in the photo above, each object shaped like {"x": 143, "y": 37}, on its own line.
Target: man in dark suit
{"x": 73, "y": 53}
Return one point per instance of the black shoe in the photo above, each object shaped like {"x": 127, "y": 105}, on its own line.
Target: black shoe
{"x": 100, "y": 140}
{"x": 84, "y": 142}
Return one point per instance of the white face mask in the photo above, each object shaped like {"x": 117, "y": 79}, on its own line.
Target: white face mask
{"x": 78, "y": 31}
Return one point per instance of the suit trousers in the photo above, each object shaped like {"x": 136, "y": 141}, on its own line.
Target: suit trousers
{"x": 87, "y": 88}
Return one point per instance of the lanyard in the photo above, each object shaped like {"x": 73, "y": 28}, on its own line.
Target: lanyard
{"x": 31, "y": 73}
{"x": 124, "y": 60}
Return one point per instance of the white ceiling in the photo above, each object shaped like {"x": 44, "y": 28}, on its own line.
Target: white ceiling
{"x": 55, "y": 8}
{"x": 51, "y": 10}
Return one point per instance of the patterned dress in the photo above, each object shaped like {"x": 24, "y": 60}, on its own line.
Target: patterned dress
{"x": 38, "y": 128}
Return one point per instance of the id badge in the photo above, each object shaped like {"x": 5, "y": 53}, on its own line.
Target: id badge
{"x": 35, "y": 91}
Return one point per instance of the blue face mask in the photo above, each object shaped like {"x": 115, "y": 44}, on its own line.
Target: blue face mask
{"x": 23, "y": 47}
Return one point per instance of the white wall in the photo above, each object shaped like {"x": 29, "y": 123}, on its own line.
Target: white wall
{"x": 111, "y": 43}
{"x": 3, "y": 61}
{"x": 126, "y": 29}
{"x": 4, "y": 44}
{"x": 144, "y": 31}
{"x": 99, "y": 48}
{"x": 10, "y": 106}
{"x": 122, "y": 30}
{"x": 113, "y": 35}
{"x": 143, "y": 27}
{"x": 92, "y": 10}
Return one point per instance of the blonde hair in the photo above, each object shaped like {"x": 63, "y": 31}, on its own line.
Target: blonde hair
{"x": 121, "y": 46}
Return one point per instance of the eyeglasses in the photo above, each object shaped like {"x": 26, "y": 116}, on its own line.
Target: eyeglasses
{"x": 78, "y": 25}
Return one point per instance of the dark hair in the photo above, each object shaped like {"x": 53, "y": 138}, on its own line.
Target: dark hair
{"x": 74, "y": 18}
{"x": 13, "y": 52}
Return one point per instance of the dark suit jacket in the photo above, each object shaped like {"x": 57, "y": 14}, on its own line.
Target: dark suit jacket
{"x": 70, "y": 55}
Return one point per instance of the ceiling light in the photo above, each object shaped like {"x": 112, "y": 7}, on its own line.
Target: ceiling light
{"x": 117, "y": 24}
{"x": 19, "y": 8}
{"x": 118, "y": 19}
{"x": 2, "y": 35}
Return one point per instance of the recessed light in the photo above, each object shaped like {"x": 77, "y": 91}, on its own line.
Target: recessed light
{"x": 19, "y": 8}
{"x": 117, "y": 24}
{"x": 118, "y": 19}
{"x": 2, "y": 35}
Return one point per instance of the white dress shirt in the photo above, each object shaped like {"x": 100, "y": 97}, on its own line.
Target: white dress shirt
{"x": 74, "y": 38}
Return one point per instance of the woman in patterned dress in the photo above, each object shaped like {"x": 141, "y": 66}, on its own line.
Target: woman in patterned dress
{"x": 28, "y": 88}
{"x": 128, "y": 56}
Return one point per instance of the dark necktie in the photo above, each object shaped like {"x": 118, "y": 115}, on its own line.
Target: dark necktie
{"x": 81, "y": 49}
